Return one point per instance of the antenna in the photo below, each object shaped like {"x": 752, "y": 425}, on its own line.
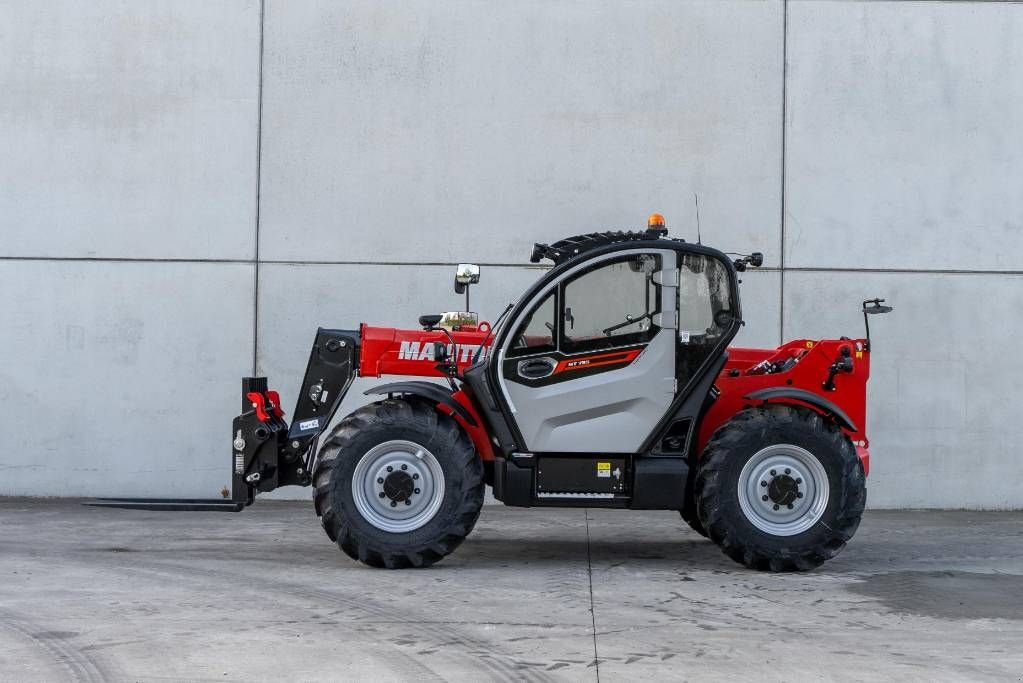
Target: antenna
{"x": 697, "y": 198}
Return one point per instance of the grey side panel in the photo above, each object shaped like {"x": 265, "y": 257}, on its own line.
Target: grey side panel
{"x": 611, "y": 412}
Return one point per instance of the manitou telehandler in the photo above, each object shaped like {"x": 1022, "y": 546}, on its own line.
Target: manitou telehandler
{"x": 608, "y": 384}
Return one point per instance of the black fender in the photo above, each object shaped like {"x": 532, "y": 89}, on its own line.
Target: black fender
{"x": 434, "y": 393}
{"x": 815, "y": 400}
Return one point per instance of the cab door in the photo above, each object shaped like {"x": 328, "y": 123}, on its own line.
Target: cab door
{"x": 589, "y": 366}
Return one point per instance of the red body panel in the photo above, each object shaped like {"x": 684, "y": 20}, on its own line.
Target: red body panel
{"x": 478, "y": 434}
{"x": 809, "y": 373}
{"x": 391, "y": 351}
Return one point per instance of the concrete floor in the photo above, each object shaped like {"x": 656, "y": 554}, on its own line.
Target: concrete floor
{"x": 93, "y": 594}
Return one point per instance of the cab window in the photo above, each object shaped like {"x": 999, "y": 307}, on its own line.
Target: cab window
{"x": 536, "y": 334}
{"x": 703, "y": 299}
{"x": 704, "y": 315}
{"x": 611, "y": 305}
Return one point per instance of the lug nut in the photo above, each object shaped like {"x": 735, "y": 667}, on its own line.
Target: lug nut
{"x": 763, "y": 483}
{"x": 381, "y": 494}
{"x": 380, "y": 480}
{"x": 415, "y": 491}
{"x": 775, "y": 507}
{"x": 390, "y": 469}
{"x": 404, "y": 467}
{"x": 773, "y": 473}
{"x": 394, "y": 504}
{"x": 799, "y": 494}
{"x": 799, "y": 481}
{"x": 415, "y": 476}
{"x": 763, "y": 498}
{"x": 790, "y": 506}
{"x": 788, "y": 471}
{"x": 408, "y": 502}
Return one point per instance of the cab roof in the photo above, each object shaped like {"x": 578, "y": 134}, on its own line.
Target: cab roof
{"x": 570, "y": 247}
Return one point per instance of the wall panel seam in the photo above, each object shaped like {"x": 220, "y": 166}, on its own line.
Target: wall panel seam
{"x": 784, "y": 126}
{"x": 527, "y": 266}
{"x": 259, "y": 187}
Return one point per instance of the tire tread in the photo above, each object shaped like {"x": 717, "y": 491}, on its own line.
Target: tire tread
{"x": 711, "y": 480}
{"x": 382, "y": 416}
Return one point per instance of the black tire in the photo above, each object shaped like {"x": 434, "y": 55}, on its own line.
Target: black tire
{"x": 717, "y": 488}
{"x": 408, "y": 420}
{"x": 688, "y": 511}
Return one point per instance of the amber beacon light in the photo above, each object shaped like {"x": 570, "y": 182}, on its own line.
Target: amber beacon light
{"x": 656, "y": 222}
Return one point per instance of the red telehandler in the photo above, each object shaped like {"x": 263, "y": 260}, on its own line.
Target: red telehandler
{"x": 609, "y": 384}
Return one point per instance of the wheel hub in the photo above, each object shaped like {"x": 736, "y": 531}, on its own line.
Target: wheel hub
{"x": 398, "y": 486}
{"x": 783, "y": 490}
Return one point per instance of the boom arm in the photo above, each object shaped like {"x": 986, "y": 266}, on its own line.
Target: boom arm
{"x": 391, "y": 351}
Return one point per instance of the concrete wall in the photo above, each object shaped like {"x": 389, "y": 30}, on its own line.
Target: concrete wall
{"x": 187, "y": 189}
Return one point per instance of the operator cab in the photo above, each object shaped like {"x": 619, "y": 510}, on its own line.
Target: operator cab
{"x": 636, "y": 316}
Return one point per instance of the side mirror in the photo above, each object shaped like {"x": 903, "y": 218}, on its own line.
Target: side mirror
{"x": 756, "y": 259}
{"x": 466, "y": 274}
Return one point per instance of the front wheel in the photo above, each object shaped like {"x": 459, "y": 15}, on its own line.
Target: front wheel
{"x": 780, "y": 488}
{"x": 398, "y": 484}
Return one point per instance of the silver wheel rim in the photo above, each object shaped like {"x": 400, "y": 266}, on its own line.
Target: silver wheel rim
{"x": 783, "y": 490}
{"x": 398, "y": 486}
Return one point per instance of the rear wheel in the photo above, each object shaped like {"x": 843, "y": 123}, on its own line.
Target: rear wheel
{"x": 398, "y": 484}
{"x": 780, "y": 488}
